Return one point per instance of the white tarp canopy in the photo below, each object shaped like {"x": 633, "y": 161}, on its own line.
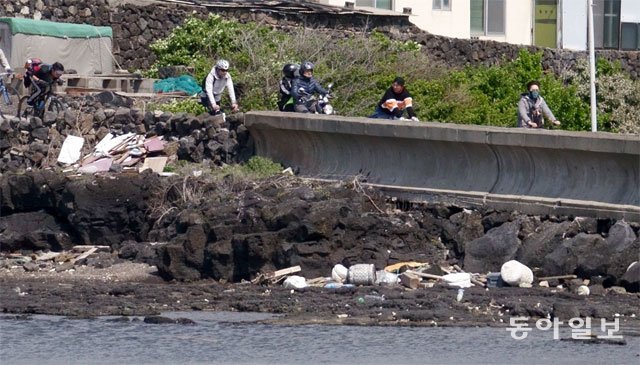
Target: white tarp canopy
{"x": 81, "y": 47}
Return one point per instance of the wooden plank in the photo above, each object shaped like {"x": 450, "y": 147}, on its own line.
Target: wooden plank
{"x": 428, "y": 276}
{"x": 85, "y": 255}
{"x": 558, "y": 277}
{"x": 289, "y": 270}
{"x": 410, "y": 280}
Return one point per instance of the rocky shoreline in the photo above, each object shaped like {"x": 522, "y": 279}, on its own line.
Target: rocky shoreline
{"x": 145, "y": 294}
{"x": 202, "y": 256}
{"x": 195, "y": 241}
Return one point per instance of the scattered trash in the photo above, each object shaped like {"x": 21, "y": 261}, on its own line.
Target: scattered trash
{"x": 126, "y": 150}
{"x": 339, "y": 273}
{"x": 400, "y": 265}
{"x": 544, "y": 284}
{"x": 70, "y": 150}
{"x": 386, "y": 278}
{"x": 295, "y": 282}
{"x": 460, "y": 294}
{"x": 275, "y": 276}
{"x": 583, "y": 290}
{"x": 458, "y": 280}
{"x": 288, "y": 171}
{"x": 516, "y": 274}
{"x": 334, "y": 285}
{"x": 362, "y": 274}
{"x": 410, "y": 280}
{"x": 494, "y": 280}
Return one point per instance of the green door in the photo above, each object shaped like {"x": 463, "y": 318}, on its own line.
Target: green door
{"x": 546, "y": 23}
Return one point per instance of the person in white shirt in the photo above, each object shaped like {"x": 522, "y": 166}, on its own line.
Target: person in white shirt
{"x": 213, "y": 86}
{"x": 3, "y": 60}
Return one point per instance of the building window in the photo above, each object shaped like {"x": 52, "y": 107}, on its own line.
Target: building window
{"x": 487, "y": 17}
{"x": 441, "y": 4}
{"x": 611, "y": 23}
{"x": 630, "y": 36}
{"x": 380, "y": 4}
{"x": 606, "y": 18}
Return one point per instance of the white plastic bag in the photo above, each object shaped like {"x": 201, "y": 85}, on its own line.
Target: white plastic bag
{"x": 295, "y": 282}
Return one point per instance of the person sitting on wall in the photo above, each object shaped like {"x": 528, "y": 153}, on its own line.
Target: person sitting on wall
{"x": 395, "y": 101}
{"x": 532, "y": 109}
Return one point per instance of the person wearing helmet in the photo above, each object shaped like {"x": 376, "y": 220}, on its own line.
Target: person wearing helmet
{"x": 289, "y": 74}
{"x": 44, "y": 78}
{"x": 304, "y": 87}
{"x": 532, "y": 108}
{"x": 395, "y": 101}
{"x": 214, "y": 84}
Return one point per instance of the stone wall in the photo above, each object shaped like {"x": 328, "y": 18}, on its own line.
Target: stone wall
{"x": 136, "y": 26}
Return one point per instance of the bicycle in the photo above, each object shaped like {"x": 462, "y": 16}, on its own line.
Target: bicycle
{"x": 46, "y": 101}
{"x": 6, "y": 91}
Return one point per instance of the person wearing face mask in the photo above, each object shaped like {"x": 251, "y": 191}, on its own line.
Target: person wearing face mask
{"x": 532, "y": 109}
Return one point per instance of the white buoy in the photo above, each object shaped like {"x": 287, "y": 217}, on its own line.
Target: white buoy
{"x": 515, "y": 273}
{"x": 339, "y": 273}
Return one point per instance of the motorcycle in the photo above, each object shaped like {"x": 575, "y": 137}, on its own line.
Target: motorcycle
{"x": 319, "y": 104}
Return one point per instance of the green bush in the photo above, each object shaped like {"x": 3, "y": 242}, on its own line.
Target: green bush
{"x": 363, "y": 66}
{"x": 191, "y": 106}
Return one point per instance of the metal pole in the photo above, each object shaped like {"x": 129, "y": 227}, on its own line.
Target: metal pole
{"x": 592, "y": 69}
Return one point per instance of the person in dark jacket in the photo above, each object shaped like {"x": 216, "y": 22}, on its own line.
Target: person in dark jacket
{"x": 395, "y": 101}
{"x": 44, "y": 78}
{"x": 532, "y": 109}
{"x": 289, "y": 75}
{"x": 304, "y": 87}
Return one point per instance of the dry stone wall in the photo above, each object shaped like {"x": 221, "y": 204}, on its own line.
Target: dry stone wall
{"x": 135, "y": 26}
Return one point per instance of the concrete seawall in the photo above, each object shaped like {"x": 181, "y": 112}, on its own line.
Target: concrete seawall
{"x": 533, "y": 171}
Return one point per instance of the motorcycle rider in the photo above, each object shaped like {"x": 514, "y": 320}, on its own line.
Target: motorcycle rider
{"x": 290, "y": 73}
{"x": 304, "y": 87}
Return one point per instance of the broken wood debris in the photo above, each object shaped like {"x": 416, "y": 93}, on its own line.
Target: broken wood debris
{"x": 559, "y": 277}
{"x": 126, "y": 151}
{"x": 275, "y": 276}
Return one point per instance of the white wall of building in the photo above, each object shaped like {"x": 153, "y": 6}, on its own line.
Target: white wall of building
{"x": 518, "y": 22}
{"x": 451, "y": 23}
{"x": 574, "y": 24}
{"x": 455, "y": 23}
{"x": 630, "y": 11}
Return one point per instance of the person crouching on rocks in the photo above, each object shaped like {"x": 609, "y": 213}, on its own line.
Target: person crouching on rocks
{"x": 214, "y": 84}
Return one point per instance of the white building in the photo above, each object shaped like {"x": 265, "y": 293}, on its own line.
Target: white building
{"x": 547, "y": 23}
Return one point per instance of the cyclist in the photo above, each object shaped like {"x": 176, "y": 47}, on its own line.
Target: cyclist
{"x": 44, "y": 78}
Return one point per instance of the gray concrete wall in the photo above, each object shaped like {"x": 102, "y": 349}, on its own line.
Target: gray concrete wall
{"x": 555, "y": 170}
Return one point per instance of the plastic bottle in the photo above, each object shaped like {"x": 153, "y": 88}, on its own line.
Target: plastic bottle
{"x": 373, "y": 298}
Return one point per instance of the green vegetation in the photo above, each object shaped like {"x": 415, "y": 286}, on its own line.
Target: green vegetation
{"x": 363, "y": 66}
{"x": 256, "y": 168}
{"x": 192, "y": 106}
